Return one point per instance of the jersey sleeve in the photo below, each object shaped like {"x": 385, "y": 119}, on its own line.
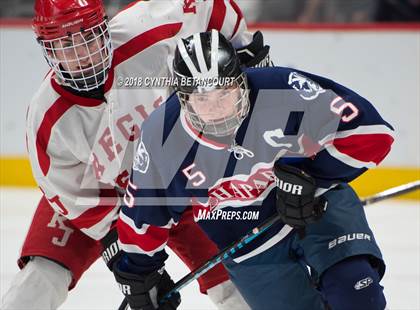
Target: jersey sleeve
{"x": 349, "y": 137}
{"x": 150, "y": 209}
{"x": 66, "y": 181}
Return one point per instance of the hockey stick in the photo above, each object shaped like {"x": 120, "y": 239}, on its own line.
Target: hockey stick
{"x": 392, "y": 192}
{"x": 251, "y": 235}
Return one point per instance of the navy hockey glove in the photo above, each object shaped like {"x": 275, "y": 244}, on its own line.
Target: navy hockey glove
{"x": 296, "y": 202}
{"x": 255, "y": 54}
{"x": 111, "y": 251}
{"x": 143, "y": 292}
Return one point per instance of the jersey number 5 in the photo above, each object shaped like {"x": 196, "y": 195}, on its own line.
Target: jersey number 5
{"x": 338, "y": 105}
{"x": 198, "y": 176}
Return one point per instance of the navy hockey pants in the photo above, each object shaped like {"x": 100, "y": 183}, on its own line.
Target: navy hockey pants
{"x": 279, "y": 277}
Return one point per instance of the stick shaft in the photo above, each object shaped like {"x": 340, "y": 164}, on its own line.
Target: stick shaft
{"x": 392, "y": 192}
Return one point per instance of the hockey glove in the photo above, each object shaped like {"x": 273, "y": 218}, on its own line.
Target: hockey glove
{"x": 111, "y": 251}
{"x": 296, "y": 202}
{"x": 145, "y": 291}
{"x": 255, "y": 54}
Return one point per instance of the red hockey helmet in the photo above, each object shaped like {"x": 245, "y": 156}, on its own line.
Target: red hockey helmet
{"x": 57, "y": 18}
{"x": 75, "y": 39}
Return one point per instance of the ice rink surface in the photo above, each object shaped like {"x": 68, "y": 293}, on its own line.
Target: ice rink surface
{"x": 396, "y": 225}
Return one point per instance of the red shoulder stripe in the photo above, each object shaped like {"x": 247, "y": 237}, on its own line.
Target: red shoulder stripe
{"x": 127, "y": 7}
{"x": 143, "y": 41}
{"x": 217, "y": 15}
{"x": 140, "y": 43}
{"x": 365, "y": 147}
{"x": 43, "y": 135}
{"x": 238, "y": 18}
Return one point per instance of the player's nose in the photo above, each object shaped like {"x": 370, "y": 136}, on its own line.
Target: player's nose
{"x": 83, "y": 54}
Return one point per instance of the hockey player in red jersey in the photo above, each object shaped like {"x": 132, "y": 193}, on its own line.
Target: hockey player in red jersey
{"x": 83, "y": 127}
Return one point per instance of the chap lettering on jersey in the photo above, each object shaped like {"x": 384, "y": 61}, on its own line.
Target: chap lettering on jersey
{"x": 239, "y": 192}
{"x": 242, "y": 192}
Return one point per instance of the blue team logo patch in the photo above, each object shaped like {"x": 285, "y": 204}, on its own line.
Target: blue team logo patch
{"x": 308, "y": 89}
{"x": 141, "y": 159}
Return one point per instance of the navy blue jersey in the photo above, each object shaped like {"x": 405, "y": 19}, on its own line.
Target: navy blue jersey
{"x": 298, "y": 118}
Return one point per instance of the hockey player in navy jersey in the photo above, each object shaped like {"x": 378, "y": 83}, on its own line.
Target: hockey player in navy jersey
{"x": 241, "y": 146}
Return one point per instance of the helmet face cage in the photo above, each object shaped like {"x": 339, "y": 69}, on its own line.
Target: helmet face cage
{"x": 68, "y": 55}
{"x": 224, "y": 126}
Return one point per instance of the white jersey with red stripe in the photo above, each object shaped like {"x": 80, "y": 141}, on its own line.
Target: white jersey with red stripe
{"x": 81, "y": 148}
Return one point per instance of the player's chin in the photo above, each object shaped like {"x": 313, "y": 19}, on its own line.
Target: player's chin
{"x": 90, "y": 71}
{"x": 217, "y": 120}
{"x": 89, "y": 79}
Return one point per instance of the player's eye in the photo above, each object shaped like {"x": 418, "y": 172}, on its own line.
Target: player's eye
{"x": 89, "y": 38}
{"x": 225, "y": 93}
{"x": 201, "y": 98}
{"x": 67, "y": 44}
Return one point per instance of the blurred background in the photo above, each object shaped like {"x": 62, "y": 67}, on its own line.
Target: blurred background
{"x": 301, "y": 11}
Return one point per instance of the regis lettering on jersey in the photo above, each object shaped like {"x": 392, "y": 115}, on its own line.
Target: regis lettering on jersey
{"x": 189, "y": 6}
